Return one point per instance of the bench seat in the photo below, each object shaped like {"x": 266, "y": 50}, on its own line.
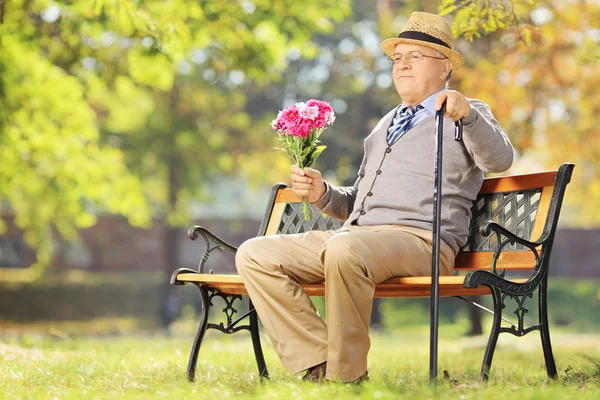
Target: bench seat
{"x": 415, "y": 286}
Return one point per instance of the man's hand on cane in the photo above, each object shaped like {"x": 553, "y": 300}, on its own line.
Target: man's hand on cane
{"x": 307, "y": 182}
{"x": 457, "y": 105}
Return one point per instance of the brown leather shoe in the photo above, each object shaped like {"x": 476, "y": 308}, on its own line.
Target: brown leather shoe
{"x": 316, "y": 373}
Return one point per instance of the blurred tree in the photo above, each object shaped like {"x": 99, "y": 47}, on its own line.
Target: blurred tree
{"x": 155, "y": 88}
{"x": 55, "y": 174}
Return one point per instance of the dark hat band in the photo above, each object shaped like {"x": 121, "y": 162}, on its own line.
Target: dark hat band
{"x": 424, "y": 37}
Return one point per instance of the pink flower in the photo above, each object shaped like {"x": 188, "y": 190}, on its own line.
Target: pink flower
{"x": 286, "y": 119}
{"x": 326, "y": 115}
{"x": 299, "y": 119}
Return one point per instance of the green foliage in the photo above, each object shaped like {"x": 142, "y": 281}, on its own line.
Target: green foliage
{"x": 474, "y": 18}
{"x": 105, "y": 108}
{"x": 54, "y": 173}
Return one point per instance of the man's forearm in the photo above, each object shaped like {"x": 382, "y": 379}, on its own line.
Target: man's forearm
{"x": 485, "y": 140}
{"x": 337, "y": 202}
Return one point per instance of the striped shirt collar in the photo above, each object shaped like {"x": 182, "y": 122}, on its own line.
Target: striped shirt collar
{"x": 428, "y": 104}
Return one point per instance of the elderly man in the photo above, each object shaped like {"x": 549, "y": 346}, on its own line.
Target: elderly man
{"x": 388, "y": 213}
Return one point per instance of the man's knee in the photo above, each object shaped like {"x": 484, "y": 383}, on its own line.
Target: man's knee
{"x": 245, "y": 254}
{"x": 338, "y": 253}
{"x": 253, "y": 253}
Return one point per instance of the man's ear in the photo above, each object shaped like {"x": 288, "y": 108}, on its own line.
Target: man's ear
{"x": 447, "y": 68}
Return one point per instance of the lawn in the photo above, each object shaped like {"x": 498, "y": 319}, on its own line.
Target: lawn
{"x": 153, "y": 366}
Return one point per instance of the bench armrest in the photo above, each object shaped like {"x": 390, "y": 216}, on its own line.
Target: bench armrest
{"x": 500, "y": 231}
{"x": 494, "y": 278}
{"x": 196, "y": 230}
{"x": 219, "y": 244}
{"x": 480, "y": 277}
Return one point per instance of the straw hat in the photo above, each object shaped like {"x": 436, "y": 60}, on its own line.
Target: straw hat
{"x": 427, "y": 30}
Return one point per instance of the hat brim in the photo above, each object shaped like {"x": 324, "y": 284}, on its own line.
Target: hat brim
{"x": 389, "y": 46}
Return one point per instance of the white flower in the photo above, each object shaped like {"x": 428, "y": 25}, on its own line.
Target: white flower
{"x": 274, "y": 122}
{"x": 307, "y": 112}
{"x": 329, "y": 117}
{"x": 301, "y": 106}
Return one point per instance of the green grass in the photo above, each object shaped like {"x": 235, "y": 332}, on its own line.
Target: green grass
{"x": 153, "y": 366}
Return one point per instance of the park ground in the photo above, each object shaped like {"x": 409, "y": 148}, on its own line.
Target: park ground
{"x": 61, "y": 361}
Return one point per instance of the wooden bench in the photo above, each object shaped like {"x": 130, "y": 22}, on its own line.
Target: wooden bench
{"x": 513, "y": 224}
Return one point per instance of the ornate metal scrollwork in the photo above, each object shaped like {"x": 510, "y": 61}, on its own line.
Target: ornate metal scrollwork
{"x": 495, "y": 279}
{"x": 208, "y": 236}
{"x": 520, "y": 312}
{"x": 511, "y": 238}
{"x": 229, "y": 311}
{"x": 480, "y": 277}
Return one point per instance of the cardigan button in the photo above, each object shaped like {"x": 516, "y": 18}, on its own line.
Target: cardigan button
{"x": 362, "y": 212}
{"x": 370, "y": 194}
{"x": 378, "y": 172}
{"x": 388, "y": 150}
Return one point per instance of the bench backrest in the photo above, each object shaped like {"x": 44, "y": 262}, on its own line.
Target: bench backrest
{"x": 527, "y": 205}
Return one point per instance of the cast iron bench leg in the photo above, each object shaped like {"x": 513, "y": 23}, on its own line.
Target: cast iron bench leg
{"x": 494, "y": 333}
{"x": 258, "y": 353}
{"x": 545, "y": 330}
{"x": 191, "y": 370}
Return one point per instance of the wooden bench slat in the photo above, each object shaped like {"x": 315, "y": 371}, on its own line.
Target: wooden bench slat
{"x": 518, "y": 182}
{"x": 415, "y": 286}
{"x": 510, "y": 260}
{"x": 235, "y": 279}
{"x": 542, "y": 211}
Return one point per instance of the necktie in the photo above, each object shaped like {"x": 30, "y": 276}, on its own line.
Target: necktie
{"x": 401, "y": 123}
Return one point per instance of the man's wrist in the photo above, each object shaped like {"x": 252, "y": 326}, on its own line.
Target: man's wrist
{"x": 470, "y": 117}
{"x": 324, "y": 199}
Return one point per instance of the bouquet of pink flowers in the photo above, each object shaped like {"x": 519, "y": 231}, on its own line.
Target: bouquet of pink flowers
{"x": 299, "y": 127}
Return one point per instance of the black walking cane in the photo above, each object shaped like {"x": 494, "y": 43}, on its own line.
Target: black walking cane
{"x": 435, "y": 263}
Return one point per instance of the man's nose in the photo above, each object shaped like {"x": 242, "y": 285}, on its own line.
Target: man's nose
{"x": 403, "y": 64}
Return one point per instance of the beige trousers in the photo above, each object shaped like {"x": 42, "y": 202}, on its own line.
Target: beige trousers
{"x": 351, "y": 261}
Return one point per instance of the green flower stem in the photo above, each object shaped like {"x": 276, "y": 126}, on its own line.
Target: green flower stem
{"x": 306, "y": 209}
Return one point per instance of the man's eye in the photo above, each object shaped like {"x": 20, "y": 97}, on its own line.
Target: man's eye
{"x": 397, "y": 59}
{"x": 415, "y": 55}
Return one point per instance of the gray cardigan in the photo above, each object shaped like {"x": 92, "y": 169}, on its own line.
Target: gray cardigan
{"x": 395, "y": 184}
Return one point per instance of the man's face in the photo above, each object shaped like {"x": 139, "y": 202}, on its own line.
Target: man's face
{"x": 415, "y": 81}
